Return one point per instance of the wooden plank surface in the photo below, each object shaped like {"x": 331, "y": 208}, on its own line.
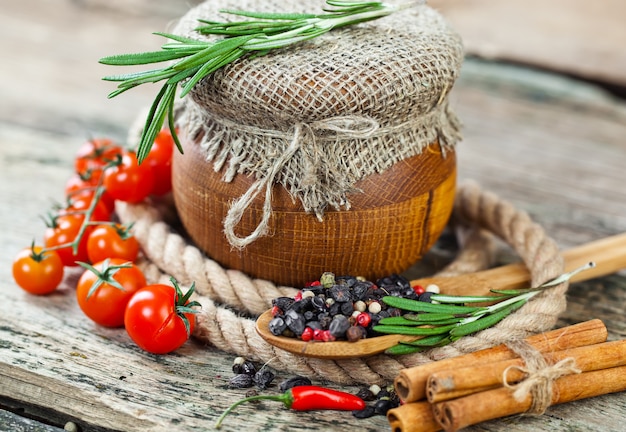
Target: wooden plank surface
{"x": 575, "y": 37}
{"x": 552, "y": 146}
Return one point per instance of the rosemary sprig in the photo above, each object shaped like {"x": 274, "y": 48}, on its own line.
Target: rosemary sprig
{"x": 448, "y": 318}
{"x": 193, "y": 59}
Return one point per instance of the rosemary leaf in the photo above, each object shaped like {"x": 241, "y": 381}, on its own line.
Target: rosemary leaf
{"x": 194, "y": 59}
{"x": 414, "y": 331}
{"x": 487, "y": 321}
{"x": 442, "y": 298}
{"x": 430, "y": 341}
{"x": 155, "y": 119}
{"x": 184, "y": 41}
{"x": 401, "y": 320}
{"x": 567, "y": 276}
{"x": 420, "y": 306}
{"x": 404, "y": 349}
{"x": 514, "y": 292}
{"x": 270, "y": 15}
{"x": 422, "y": 319}
{"x": 271, "y": 42}
{"x": 143, "y": 58}
{"x": 182, "y": 75}
{"x": 428, "y": 318}
{"x": 210, "y": 67}
{"x": 128, "y": 79}
{"x": 139, "y": 78}
{"x": 214, "y": 52}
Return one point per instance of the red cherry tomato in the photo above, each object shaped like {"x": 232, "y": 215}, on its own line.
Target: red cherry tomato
{"x": 37, "y": 272}
{"x": 76, "y": 185}
{"x": 129, "y": 181}
{"x": 104, "y": 289}
{"x": 81, "y": 201}
{"x": 93, "y": 155}
{"x": 65, "y": 230}
{"x": 160, "y": 160}
{"x": 155, "y": 318}
{"x": 112, "y": 241}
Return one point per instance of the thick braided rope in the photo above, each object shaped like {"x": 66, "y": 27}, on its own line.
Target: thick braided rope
{"x": 169, "y": 254}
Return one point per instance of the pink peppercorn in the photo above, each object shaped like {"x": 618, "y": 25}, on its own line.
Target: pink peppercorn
{"x": 363, "y": 319}
{"x": 419, "y": 289}
{"x": 276, "y": 311}
{"x": 307, "y": 334}
{"x": 327, "y": 337}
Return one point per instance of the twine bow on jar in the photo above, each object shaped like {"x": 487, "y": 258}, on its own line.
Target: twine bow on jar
{"x": 344, "y": 127}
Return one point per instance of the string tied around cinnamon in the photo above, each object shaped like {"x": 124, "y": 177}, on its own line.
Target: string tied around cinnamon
{"x": 540, "y": 376}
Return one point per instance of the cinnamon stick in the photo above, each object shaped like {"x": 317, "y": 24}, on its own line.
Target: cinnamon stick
{"x": 410, "y": 384}
{"x": 491, "y": 404}
{"x": 454, "y": 383}
{"x": 413, "y": 417}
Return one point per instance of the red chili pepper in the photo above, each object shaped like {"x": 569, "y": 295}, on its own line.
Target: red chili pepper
{"x": 306, "y": 398}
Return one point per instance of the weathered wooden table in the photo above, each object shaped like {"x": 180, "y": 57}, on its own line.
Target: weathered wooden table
{"x": 552, "y": 146}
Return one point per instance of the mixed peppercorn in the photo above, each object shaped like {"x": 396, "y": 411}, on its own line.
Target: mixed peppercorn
{"x": 341, "y": 308}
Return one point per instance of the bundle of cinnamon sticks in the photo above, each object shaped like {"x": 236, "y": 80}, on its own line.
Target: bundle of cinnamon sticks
{"x": 576, "y": 362}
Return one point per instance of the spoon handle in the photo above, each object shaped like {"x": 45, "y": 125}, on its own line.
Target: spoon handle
{"x": 609, "y": 255}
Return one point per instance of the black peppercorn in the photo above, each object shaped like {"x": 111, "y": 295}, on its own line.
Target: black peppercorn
{"x": 263, "y": 378}
{"x": 340, "y": 293}
{"x": 338, "y": 326}
{"x": 366, "y": 394}
{"x": 277, "y": 326}
{"x": 283, "y": 303}
{"x": 426, "y": 297}
{"x": 367, "y": 412}
{"x": 240, "y": 381}
{"x": 347, "y": 308}
{"x": 293, "y": 382}
{"x": 381, "y": 406}
{"x": 295, "y": 321}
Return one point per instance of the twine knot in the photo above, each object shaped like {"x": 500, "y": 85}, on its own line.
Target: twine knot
{"x": 345, "y": 127}
{"x": 540, "y": 376}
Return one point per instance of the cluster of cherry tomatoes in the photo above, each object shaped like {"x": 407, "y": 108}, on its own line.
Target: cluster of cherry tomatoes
{"x": 112, "y": 290}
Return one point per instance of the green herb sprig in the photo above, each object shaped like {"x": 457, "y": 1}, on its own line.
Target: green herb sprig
{"x": 449, "y": 318}
{"x": 193, "y": 59}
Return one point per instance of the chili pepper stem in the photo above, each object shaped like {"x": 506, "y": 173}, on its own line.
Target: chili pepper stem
{"x": 285, "y": 398}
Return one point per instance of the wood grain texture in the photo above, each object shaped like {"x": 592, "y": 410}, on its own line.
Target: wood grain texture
{"x": 608, "y": 255}
{"x": 574, "y": 37}
{"x": 396, "y": 218}
{"x": 552, "y": 146}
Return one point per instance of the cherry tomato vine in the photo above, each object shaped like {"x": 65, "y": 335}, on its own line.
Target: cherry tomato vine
{"x": 82, "y": 232}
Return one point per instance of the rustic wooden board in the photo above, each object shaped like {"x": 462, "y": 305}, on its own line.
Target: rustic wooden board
{"x": 575, "y": 37}
{"x": 552, "y": 146}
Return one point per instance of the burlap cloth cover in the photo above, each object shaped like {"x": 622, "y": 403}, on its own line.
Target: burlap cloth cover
{"x": 382, "y": 125}
{"x": 321, "y": 115}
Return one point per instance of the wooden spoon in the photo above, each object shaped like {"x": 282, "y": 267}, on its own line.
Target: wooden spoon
{"x": 609, "y": 255}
